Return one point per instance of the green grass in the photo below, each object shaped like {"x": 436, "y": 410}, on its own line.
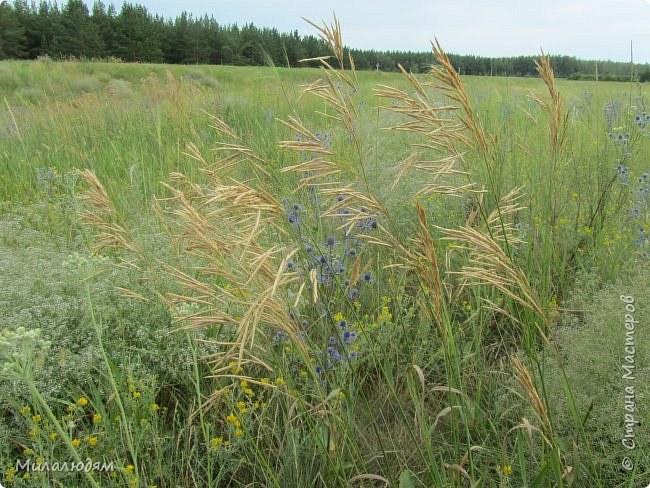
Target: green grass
{"x": 390, "y": 412}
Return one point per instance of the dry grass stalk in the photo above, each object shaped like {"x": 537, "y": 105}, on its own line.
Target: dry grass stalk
{"x": 331, "y": 34}
{"x": 320, "y": 171}
{"x": 524, "y": 379}
{"x": 330, "y": 88}
{"x": 559, "y": 121}
{"x": 226, "y": 229}
{"x": 449, "y": 82}
{"x": 104, "y": 218}
{"x": 489, "y": 265}
{"x": 427, "y": 268}
{"x": 499, "y": 223}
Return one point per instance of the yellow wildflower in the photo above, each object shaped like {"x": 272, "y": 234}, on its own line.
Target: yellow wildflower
{"x": 70, "y": 408}
{"x": 234, "y": 368}
{"x": 243, "y": 383}
{"x": 575, "y": 197}
{"x": 76, "y": 442}
{"x": 507, "y": 470}
{"x": 25, "y": 410}
{"x": 28, "y": 452}
{"x": 243, "y": 410}
{"x": 92, "y": 441}
{"x": 338, "y": 317}
{"x": 279, "y": 381}
{"x": 249, "y": 392}
{"x": 155, "y": 407}
{"x": 239, "y": 433}
{"x": 136, "y": 394}
{"x": 231, "y": 418}
{"x": 97, "y": 418}
{"x": 266, "y": 381}
{"x": 129, "y": 469}
{"x": 36, "y": 418}
{"x": 216, "y": 443}
{"x": 240, "y": 404}
{"x": 303, "y": 374}
{"x": 83, "y": 401}
{"x": 53, "y": 436}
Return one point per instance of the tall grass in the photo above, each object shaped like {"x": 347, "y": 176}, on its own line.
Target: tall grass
{"x": 374, "y": 268}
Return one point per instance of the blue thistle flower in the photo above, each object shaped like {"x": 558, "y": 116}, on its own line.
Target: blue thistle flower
{"x": 334, "y": 354}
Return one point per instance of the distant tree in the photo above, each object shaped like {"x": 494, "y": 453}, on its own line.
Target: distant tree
{"x": 104, "y": 20}
{"x": 137, "y": 37}
{"x": 80, "y": 35}
{"x": 12, "y": 34}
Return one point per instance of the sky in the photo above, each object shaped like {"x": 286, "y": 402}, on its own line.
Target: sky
{"x": 587, "y": 29}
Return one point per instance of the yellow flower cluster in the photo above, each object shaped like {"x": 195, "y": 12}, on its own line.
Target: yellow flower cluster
{"x": 385, "y": 315}
{"x": 217, "y": 442}
{"x": 232, "y": 418}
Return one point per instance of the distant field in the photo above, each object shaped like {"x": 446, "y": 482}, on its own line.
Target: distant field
{"x": 131, "y": 119}
{"x": 440, "y": 304}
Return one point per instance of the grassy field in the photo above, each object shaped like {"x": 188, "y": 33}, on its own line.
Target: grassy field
{"x": 232, "y": 276}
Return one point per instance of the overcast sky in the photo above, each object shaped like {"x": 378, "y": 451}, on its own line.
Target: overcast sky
{"x": 588, "y": 29}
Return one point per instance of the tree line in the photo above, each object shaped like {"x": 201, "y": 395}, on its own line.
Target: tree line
{"x": 31, "y": 30}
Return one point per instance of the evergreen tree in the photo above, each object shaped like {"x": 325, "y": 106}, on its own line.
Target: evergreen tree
{"x": 80, "y": 35}
{"x": 12, "y": 34}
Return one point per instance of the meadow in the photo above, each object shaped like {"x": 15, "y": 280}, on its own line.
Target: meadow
{"x": 241, "y": 276}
